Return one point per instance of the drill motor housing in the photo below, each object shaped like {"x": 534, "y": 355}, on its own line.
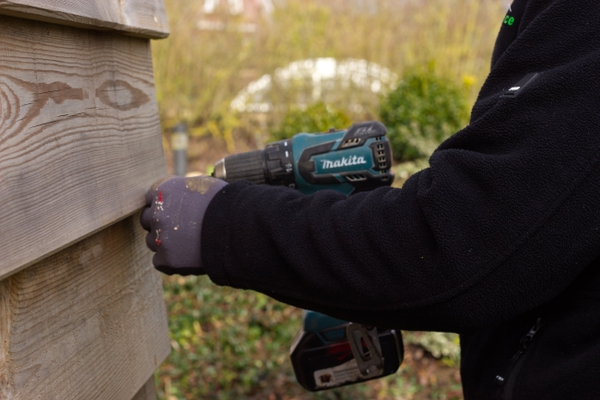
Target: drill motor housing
{"x": 349, "y": 161}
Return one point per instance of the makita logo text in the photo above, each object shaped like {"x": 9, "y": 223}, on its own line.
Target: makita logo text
{"x": 344, "y": 162}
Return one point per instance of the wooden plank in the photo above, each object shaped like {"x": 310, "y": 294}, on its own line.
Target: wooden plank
{"x": 147, "y": 392}
{"x": 145, "y": 18}
{"x": 80, "y": 137}
{"x": 86, "y": 323}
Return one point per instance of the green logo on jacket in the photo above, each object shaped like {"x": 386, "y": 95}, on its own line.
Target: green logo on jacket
{"x": 508, "y": 20}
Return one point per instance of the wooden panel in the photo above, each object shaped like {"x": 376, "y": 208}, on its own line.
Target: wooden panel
{"x": 80, "y": 139}
{"x": 147, "y": 392}
{"x": 86, "y": 323}
{"x": 146, "y": 18}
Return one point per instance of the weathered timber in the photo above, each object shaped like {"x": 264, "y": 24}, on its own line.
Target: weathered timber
{"x": 147, "y": 392}
{"x": 86, "y": 323}
{"x": 145, "y": 18}
{"x": 79, "y": 135}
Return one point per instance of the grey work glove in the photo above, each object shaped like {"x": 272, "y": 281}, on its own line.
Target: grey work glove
{"x": 173, "y": 218}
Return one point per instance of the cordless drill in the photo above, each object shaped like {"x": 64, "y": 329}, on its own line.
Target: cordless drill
{"x": 328, "y": 352}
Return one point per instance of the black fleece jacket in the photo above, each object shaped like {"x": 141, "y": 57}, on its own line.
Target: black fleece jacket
{"x": 503, "y": 229}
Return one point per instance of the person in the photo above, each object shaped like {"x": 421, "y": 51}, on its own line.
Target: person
{"x": 498, "y": 240}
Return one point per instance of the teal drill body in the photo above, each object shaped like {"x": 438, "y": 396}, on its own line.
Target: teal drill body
{"x": 349, "y": 161}
{"x": 344, "y": 166}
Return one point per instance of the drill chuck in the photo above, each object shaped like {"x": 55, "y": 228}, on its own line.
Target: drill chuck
{"x": 243, "y": 166}
{"x": 273, "y": 165}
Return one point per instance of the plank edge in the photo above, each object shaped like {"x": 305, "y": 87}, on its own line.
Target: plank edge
{"x": 42, "y": 15}
{"x": 13, "y": 270}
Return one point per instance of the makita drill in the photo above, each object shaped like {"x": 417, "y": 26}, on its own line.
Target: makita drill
{"x": 328, "y": 352}
{"x": 348, "y": 161}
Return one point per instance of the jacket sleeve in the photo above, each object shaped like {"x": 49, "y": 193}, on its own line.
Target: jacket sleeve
{"x": 503, "y": 220}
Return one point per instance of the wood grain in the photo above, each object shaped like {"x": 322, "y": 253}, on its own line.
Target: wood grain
{"x": 147, "y": 392}
{"x": 80, "y": 137}
{"x": 145, "y": 18}
{"x": 86, "y": 323}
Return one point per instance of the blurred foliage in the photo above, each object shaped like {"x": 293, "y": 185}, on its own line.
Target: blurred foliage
{"x": 422, "y": 111}
{"x": 219, "y": 338}
{"x": 318, "y": 117}
{"x": 219, "y": 125}
{"x": 405, "y": 170}
{"x": 439, "y": 344}
{"x": 199, "y": 71}
{"x": 234, "y": 344}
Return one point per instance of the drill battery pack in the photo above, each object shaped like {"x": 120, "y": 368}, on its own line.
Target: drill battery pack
{"x": 329, "y": 352}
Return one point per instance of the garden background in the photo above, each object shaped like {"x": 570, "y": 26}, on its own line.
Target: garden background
{"x": 242, "y": 73}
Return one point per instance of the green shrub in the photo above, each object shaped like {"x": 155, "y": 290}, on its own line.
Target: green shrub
{"x": 439, "y": 344}
{"x": 318, "y": 117}
{"x": 226, "y": 343}
{"x": 421, "y": 112}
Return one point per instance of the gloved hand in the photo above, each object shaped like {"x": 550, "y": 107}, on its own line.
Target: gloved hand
{"x": 173, "y": 218}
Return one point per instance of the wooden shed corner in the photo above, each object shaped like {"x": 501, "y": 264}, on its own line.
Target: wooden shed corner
{"x": 82, "y": 309}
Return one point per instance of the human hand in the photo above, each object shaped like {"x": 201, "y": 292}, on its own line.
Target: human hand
{"x": 173, "y": 217}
